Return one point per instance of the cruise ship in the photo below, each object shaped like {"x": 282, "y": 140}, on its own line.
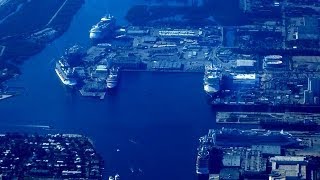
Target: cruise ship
{"x": 211, "y": 80}
{"x": 112, "y": 79}
{"x": 203, "y": 157}
{"x": 104, "y": 28}
{"x": 65, "y": 72}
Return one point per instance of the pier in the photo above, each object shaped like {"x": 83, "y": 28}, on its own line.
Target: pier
{"x": 101, "y": 95}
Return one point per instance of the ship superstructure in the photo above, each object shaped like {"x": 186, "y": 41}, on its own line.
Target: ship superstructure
{"x": 104, "y": 28}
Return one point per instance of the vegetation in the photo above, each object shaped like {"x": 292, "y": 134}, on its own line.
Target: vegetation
{"x": 27, "y": 19}
{"x": 33, "y": 16}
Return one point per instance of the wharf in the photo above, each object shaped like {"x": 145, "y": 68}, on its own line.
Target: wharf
{"x": 255, "y": 117}
{"x": 266, "y": 108}
{"x": 270, "y": 120}
{"x": 101, "y": 95}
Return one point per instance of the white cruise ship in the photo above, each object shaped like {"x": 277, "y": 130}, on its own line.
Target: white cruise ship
{"x": 211, "y": 80}
{"x": 64, "y": 72}
{"x": 112, "y": 79}
{"x": 104, "y": 28}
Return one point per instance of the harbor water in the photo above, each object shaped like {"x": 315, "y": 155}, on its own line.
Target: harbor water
{"x": 147, "y": 129}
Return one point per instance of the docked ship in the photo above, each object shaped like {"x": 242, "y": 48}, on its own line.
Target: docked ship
{"x": 202, "y": 164}
{"x": 203, "y": 157}
{"x": 112, "y": 79}
{"x": 66, "y": 65}
{"x": 104, "y": 28}
{"x": 65, "y": 72}
{"x": 211, "y": 80}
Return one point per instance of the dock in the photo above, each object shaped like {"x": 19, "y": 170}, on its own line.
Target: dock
{"x": 101, "y": 95}
{"x": 270, "y": 120}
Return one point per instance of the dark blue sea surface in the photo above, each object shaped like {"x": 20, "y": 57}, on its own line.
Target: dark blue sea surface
{"x": 150, "y": 126}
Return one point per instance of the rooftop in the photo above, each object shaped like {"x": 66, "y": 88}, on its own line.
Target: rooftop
{"x": 288, "y": 159}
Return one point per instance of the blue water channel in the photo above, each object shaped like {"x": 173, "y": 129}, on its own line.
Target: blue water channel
{"x": 149, "y": 129}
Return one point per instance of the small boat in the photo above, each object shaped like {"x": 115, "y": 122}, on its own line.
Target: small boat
{"x": 5, "y": 96}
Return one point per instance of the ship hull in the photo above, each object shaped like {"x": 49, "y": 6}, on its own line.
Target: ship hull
{"x": 65, "y": 81}
{"x": 95, "y": 35}
{"x": 210, "y": 90}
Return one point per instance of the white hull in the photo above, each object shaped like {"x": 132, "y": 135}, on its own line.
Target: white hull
{"x": 65, "y": 81}
{"x": 95, "y": 35}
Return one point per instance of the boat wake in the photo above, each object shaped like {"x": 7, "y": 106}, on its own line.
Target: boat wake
{"x": 28, "y": 126}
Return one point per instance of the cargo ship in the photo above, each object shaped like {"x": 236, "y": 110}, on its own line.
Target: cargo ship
{"x": 65, "y": 73}
{"x": 104, "y": 28}
{"x": 112, "y": 79}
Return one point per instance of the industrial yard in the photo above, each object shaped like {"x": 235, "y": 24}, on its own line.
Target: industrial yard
{"x": 265, "y": 76}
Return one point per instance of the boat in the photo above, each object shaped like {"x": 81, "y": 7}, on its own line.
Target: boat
{"x": 211, "y": 80}
{"x": 202, "y": 164}
{"x": 111, "y": 178}
{"x": 5, "y": 96}
{"x": 65, "y": 73}
{"x": 117, "y": 177}
{"x": 112, "y": 79}
{"x": 104, "y": 28}
{"x": 203, "y": 157}
{"x": 236, "y": 137}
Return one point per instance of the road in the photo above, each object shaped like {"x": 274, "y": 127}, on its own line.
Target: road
{"x": 55, "y": 15}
